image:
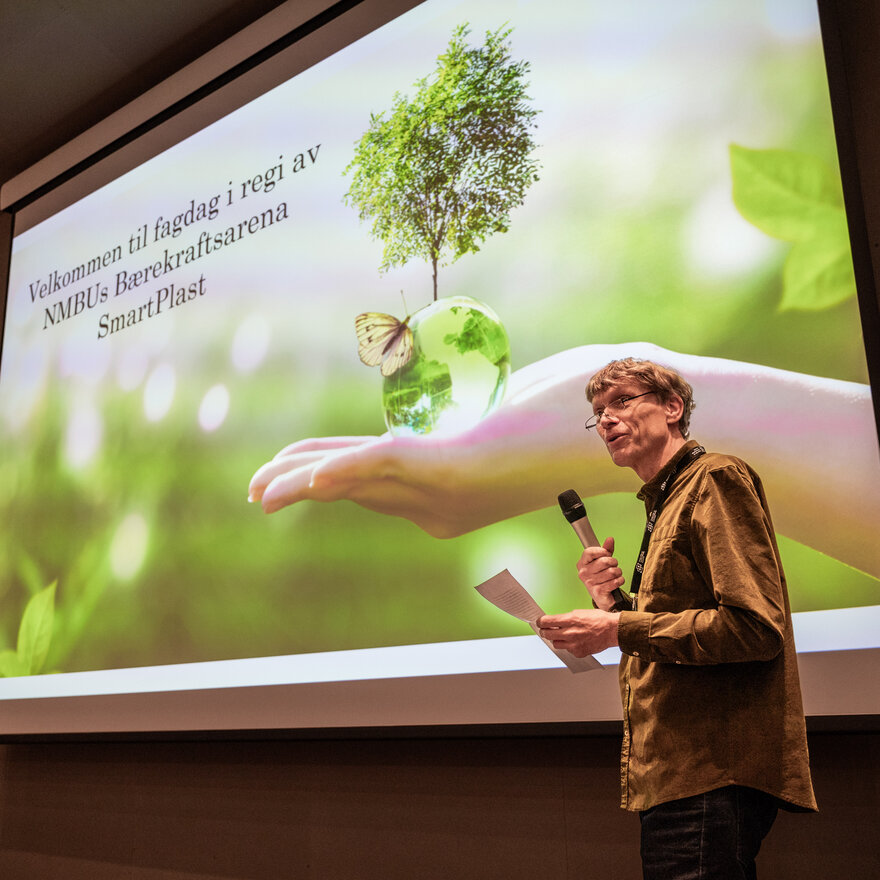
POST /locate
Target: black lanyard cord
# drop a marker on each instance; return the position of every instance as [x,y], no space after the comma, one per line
[665,488]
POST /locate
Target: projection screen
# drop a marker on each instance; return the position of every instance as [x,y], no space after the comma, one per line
[659,180]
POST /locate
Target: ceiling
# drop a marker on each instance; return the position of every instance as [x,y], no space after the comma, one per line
[67,64]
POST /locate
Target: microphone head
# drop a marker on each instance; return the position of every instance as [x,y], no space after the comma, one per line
[572,507]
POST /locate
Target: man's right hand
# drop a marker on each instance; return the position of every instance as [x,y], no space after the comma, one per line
[600,573]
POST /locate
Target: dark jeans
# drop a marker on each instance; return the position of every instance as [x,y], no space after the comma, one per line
[711,836]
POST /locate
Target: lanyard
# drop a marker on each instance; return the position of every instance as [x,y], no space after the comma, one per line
[665,488]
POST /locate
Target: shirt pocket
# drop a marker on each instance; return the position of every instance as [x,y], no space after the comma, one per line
[671,581]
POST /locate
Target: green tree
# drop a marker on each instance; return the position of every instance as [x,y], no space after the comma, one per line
[441,172]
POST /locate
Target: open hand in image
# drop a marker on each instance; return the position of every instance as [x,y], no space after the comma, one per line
[810,438]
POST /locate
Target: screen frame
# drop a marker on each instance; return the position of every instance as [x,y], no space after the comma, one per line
[834,699]
[475,701]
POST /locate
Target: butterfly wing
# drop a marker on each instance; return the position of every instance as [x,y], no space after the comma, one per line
[399,353]
[374,331]
[383,341]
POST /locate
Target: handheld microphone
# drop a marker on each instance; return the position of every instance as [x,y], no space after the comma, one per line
[574,511]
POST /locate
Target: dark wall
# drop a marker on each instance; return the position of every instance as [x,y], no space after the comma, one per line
[459,808]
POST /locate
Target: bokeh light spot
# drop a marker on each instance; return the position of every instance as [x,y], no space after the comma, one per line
[720,243]
[129,546]
[214,408]
[159,392]
[85,431]
[250,344]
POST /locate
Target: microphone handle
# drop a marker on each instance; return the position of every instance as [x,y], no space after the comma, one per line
[585,532]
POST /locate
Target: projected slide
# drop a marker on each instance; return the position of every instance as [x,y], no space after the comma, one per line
[299,383]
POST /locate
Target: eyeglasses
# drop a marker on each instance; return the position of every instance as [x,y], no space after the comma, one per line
[616,408]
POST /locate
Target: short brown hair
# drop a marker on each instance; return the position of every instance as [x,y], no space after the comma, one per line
[665,381]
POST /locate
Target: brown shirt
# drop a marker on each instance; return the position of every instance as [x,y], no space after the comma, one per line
[709,677]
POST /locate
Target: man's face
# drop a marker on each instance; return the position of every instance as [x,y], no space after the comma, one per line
[637,435]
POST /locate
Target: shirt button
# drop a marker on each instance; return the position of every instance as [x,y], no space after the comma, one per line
[635,653]
[678,662]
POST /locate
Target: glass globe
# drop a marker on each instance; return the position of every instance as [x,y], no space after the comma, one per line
[457,374]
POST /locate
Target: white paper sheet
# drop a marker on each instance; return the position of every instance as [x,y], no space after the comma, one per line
[504,591]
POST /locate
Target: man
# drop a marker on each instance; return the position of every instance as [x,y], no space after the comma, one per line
[714,737]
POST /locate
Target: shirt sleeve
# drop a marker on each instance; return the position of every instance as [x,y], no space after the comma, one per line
[734,553]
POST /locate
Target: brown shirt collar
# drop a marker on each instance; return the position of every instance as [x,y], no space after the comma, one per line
[650,490]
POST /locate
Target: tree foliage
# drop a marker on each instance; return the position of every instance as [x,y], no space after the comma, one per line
[442,170]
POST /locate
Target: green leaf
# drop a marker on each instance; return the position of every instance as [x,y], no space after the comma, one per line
[787,195]
[818,272]
[35,632]
[10,665]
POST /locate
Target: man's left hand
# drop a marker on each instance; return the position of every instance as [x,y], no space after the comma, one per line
[580,632]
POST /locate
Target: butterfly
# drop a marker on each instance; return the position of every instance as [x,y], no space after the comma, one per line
[383,341]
